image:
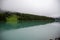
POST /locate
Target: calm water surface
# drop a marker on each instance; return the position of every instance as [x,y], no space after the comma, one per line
[37,32]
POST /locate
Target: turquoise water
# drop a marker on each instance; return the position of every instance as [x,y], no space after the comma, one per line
[23,24]
[30,30]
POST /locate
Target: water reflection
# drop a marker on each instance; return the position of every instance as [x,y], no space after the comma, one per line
[38,32]
[30,30]
[23,24]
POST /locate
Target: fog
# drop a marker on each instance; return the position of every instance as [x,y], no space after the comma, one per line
[0,4]
[38,7]
[49,8]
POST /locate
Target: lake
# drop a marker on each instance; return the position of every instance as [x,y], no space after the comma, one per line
[41,31]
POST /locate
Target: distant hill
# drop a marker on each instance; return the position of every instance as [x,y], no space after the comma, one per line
[4,16]
[57,19]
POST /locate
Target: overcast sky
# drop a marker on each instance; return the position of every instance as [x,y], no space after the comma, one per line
[37,7]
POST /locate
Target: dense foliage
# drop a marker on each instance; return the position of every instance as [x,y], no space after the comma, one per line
[16,17]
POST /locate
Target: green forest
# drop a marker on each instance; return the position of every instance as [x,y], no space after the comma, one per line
[14,17]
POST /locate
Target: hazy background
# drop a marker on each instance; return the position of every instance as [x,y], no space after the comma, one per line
[38,7]
[49,8]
